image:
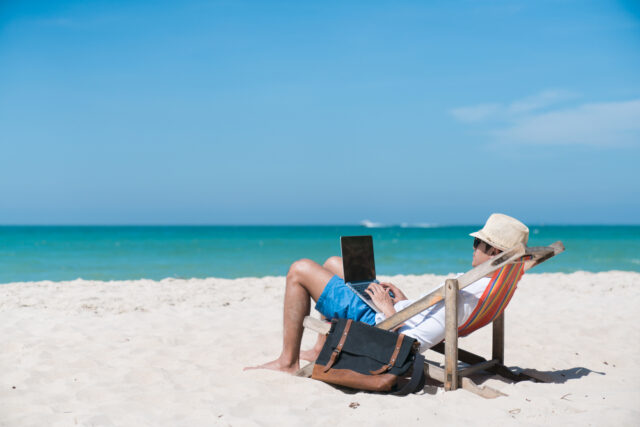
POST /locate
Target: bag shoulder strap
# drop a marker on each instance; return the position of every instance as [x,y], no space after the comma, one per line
[338,349]
[394,356]
[417,377]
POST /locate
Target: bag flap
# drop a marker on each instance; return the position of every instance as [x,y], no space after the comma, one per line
[369,341]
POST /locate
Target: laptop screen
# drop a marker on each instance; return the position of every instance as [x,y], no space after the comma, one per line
[357,259]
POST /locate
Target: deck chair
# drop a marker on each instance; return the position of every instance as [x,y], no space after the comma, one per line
[506,270]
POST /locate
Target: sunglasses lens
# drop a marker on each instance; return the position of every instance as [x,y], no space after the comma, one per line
[487,247]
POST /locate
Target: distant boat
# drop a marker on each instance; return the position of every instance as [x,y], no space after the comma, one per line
[418,225]
[371,224]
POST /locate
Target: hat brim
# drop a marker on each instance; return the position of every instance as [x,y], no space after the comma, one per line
[480,235]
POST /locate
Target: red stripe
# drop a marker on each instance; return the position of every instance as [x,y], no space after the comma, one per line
[481,302]
[494,299]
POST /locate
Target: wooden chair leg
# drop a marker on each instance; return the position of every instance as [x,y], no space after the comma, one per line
[498,339]
[451,335]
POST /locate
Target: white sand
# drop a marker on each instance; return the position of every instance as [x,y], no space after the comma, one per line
[171,353]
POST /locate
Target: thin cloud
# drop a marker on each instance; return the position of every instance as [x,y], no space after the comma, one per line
[598,124]
[539,120]
[484,112]
[540,101]
[476,113]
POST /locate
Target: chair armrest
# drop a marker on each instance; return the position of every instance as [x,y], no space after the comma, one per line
[540,254]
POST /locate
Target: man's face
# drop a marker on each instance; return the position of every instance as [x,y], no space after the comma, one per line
[481,253]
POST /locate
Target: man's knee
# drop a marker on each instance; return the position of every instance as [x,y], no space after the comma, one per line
[300,267]
[332,263]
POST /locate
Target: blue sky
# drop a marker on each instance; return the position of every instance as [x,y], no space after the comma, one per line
[272,112]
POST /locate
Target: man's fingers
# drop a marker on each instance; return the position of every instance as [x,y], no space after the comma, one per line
[373,286]
[371,291]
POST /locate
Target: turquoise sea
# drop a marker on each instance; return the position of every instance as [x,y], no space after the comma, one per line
[30,253]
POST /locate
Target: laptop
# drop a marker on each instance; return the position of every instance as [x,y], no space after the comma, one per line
[359,265]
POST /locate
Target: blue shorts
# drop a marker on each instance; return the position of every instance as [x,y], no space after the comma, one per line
[339,302]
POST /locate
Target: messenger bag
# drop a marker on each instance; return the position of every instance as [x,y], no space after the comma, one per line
[363,357]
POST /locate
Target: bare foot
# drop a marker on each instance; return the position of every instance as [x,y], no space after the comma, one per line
[277,365]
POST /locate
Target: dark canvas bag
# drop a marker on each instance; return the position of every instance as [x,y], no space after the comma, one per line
[364,357]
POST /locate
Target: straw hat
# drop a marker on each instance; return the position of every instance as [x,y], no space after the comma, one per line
[503,232]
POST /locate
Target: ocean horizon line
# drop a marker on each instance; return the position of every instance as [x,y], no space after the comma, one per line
[368,225]
[57,252]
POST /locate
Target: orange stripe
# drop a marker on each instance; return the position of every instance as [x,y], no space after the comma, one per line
[477,312]
[494,304]
[497,301]
[494,299]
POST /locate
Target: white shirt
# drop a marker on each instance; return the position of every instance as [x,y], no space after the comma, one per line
[428,326]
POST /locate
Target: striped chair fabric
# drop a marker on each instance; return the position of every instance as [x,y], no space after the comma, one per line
[495,297]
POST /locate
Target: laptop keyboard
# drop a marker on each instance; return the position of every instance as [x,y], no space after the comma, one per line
[360,287]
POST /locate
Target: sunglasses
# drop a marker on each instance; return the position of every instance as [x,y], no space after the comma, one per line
[476,243]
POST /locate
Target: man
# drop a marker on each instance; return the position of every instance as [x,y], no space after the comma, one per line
[324,284]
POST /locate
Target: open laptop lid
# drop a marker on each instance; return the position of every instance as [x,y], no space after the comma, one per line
[357,259]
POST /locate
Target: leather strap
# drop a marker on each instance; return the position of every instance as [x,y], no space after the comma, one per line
[338,349]
[417,377]
[394,357]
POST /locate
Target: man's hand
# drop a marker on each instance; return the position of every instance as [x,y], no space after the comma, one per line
[381,298]
[398,295]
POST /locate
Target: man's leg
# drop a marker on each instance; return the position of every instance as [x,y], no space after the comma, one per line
[305,279]
[334,265]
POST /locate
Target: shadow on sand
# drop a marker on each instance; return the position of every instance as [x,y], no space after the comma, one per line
[561,376]
[550,377]
[432,386]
